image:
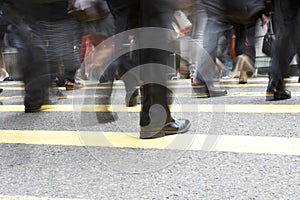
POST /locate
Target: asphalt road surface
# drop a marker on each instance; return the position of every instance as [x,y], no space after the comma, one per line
[238,147]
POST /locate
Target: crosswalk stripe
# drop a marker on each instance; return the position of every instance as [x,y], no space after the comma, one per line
[255,79]
[171,86]
[18,197]
[193,142]
[184,108]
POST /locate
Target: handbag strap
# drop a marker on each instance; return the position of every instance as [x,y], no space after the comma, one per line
[270,24]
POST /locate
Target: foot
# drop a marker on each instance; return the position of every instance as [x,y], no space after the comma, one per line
[216,92]
[277,91]
[243,77]
[33,109]
[274,94]
[73,86]
[202,91]
[131,99]
[176,126]
[1,90]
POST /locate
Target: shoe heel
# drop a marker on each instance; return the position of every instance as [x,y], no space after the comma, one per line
[243,77]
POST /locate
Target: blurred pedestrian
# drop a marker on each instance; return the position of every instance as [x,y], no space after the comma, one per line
[203,85]
[244,51]
[119,11]
[155,116]
[222,16]
[61,34]
[31,51]
[4,75]
[287,33]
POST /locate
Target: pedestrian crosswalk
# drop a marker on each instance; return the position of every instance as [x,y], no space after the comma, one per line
[12,103]
[185,108]
[240,129]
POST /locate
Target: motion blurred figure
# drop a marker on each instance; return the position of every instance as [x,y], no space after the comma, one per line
[119,11]
[31,51]
[287,44]
[155,116]
[221,17]
[4,75]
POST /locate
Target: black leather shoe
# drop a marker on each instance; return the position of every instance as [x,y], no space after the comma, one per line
[276,90]
[274,94]
[1,90]
[176,126]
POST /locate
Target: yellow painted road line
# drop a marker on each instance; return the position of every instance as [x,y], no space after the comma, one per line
[18,197]
[172,86]
[12,83]
[89,82]
[184,108]
[258,79]
[193,142]
[10,97]
[172,82]
[13,88]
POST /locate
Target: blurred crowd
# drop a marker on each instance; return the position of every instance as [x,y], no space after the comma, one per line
[65,42]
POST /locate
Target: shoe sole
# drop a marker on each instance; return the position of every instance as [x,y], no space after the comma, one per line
[162,133]
[212,94]
[33,111]
[243,82]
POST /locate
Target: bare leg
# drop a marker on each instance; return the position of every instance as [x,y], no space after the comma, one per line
[3,72]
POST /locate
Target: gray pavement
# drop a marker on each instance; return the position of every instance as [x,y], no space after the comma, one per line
[82,172]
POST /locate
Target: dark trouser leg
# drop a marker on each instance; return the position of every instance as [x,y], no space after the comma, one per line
[130,77]
[36,79]
[206,67]
[154,91]
[70,68]
[284,48]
